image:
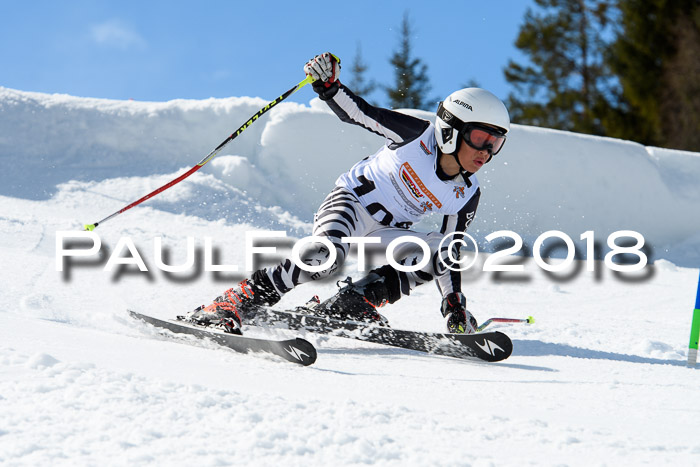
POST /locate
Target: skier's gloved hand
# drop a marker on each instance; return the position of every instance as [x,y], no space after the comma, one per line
[325,70]
[323,67]
[459,319]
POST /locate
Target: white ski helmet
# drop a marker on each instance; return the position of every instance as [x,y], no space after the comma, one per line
[468,105]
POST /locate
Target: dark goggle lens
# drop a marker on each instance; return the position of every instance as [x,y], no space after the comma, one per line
[480,139]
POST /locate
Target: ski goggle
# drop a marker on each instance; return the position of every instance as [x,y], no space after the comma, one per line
[482,137]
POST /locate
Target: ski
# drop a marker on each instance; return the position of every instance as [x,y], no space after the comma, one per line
[293,350]
[486,346]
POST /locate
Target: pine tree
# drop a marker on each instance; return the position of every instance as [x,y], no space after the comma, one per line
[656,57]
[358,83]
[566,85]
[680,100]
[411,85]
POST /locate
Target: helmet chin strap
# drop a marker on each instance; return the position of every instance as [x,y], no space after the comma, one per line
[465,173]
[462,171]
[455,154]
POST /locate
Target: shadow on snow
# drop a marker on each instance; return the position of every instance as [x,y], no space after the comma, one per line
[535,348]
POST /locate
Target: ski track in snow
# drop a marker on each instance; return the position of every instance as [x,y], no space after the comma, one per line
[599,379]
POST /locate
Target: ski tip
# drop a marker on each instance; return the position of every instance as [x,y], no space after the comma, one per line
[90,227]
[301,351]
[491,346]
[530,320]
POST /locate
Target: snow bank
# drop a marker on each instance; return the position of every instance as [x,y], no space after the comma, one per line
[289,159]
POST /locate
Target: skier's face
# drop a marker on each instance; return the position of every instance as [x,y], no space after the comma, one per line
[472,159]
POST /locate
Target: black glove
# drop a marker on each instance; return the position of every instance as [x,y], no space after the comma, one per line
[459,319]
[325,70]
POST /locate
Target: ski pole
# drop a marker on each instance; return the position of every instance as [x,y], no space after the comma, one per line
[528,320]
[209,156]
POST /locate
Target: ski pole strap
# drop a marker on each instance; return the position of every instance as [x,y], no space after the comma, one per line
[208,157]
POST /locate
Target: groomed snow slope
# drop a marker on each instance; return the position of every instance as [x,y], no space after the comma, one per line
[599,379]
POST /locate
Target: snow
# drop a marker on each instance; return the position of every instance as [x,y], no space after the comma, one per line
[599,379]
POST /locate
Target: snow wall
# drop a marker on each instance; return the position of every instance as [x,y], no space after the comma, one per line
[276,173]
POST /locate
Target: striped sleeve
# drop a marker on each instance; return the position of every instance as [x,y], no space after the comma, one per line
[395,126]
[451,281]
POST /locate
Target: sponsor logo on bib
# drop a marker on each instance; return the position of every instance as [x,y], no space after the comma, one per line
[415,185]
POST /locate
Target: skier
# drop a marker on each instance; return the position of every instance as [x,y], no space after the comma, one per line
[423,168]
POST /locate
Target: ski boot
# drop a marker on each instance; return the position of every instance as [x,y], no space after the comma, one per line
[221,314]
[357,301]
[224,311]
